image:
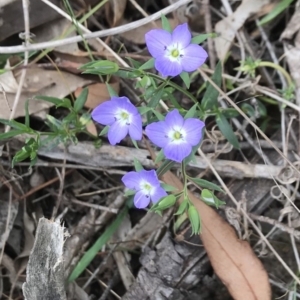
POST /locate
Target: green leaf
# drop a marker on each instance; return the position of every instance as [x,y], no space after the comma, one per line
[191,112]
[160,156]
[198,39]
[136,64]
[144,109]
[80,101]
[156,96]
[55,122]
[248,109]
[27,122]
[10,134]
[53,100]
[158,115]
[165,23]
[168,187]
[111,91]
[182,207]
[280,7]
[164,167]
[209,198]
[148,64]
[104,130]
[194,219]
[135,144]
[230,113]
[164,203]
[206,184]
[186,79]
[137,165]
[227,131]
[129,193]
[210,98]
[65,103]
[101,241]
[100,67]
[15,124]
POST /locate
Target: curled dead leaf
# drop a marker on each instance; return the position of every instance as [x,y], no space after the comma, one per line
[232,259]
[114,11]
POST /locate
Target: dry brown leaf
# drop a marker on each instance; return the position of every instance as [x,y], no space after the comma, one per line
[98,92]
[114,11]
[91,128]
[38,82]
[228,26]
[137,35]
[232,259]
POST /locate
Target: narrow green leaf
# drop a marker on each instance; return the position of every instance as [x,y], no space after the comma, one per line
[166,202]
[230,113]
[194,219]
[165,23]
[191,112]
[156,97]
[15,124]
[210,98]
[100,67]
[55,101]
[135,144]
[80,101]
[93,251]
[27,124]
[158,115]
[137,165]
[148,64]
[198,39]
[10,134]
[111,91]
[168,187]
[164,167]
[248,109]
[186,79]
[206,184]
[160,156]
[129,193]
[227,131]
[182,207]
[280,7]
[104,131]
[144,109]
[136,64]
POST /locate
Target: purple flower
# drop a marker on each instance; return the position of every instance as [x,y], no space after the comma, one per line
[173,52]
[146,185]
[176,135]
[122,117]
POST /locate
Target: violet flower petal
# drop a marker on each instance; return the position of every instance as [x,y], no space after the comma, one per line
[141,200]
[167,67]
[150,177]
[193,128]
[132,180]
[182,35]
[158,194]
[116,133]
[156,133]
[135,128]
[194,56]
[105,112]
[124,103]
[177,152]
[157,40]
[174,118]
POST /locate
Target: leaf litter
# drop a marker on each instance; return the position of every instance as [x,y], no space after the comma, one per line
[233,260]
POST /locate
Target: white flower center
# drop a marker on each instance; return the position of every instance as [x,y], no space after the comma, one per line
[174,52]
[146,188]
[176,135]
[124,117]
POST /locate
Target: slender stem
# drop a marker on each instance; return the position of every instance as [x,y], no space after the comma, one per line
[277,67]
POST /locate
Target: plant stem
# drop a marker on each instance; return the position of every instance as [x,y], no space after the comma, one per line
[277,67]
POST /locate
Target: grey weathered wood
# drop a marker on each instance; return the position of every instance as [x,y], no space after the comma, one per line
[45,271]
